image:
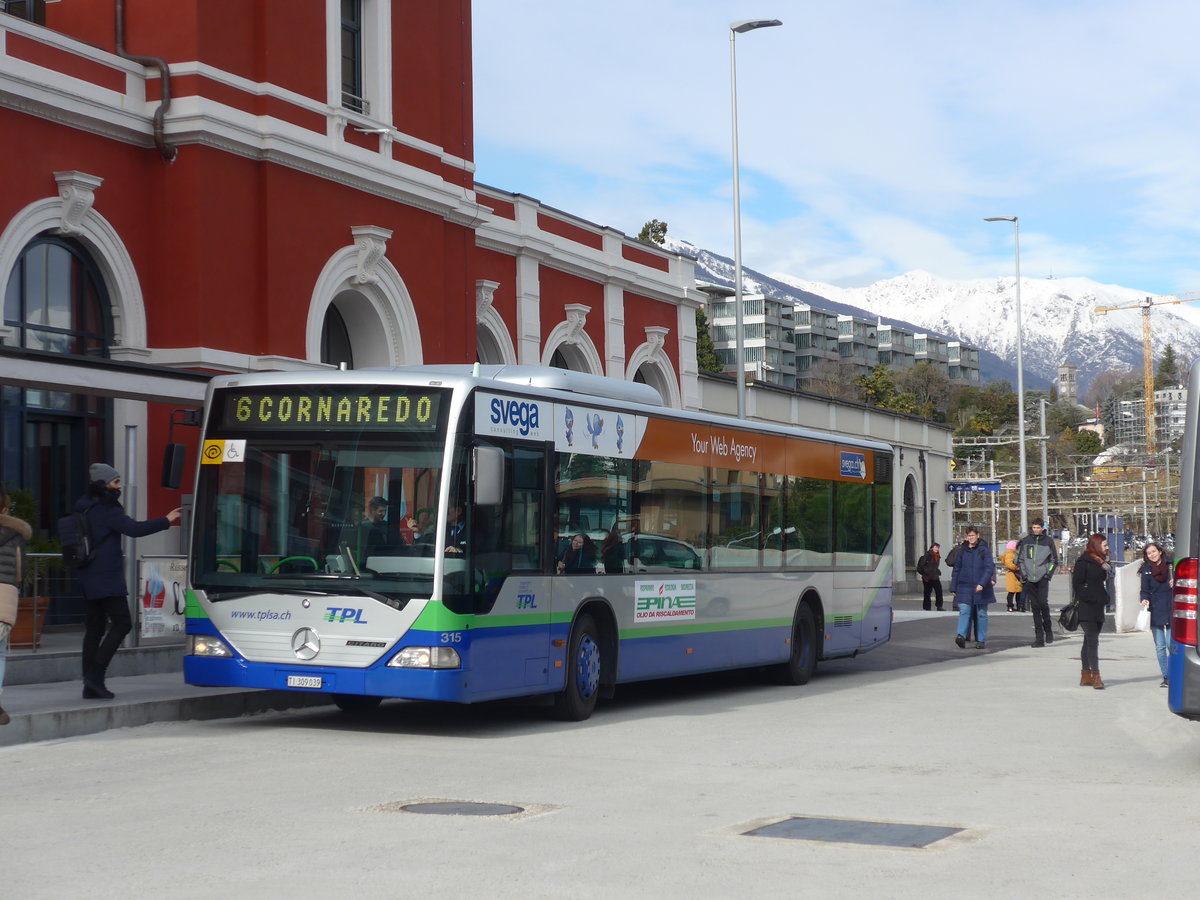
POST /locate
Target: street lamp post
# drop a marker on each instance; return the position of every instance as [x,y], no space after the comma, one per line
[735,29]
[1020,367]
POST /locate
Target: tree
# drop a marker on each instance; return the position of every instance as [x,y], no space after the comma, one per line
[834,379]
[1109,382]
[653,232]
[877,386]
[706,353]
[1168,369]
[879,389]
[1088,442]
[931,389]
[986,410]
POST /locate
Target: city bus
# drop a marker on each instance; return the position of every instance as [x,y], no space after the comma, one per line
[471,533]
[1183,660]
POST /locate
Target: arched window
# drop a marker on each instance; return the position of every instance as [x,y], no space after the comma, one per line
[336,347]
[55,301]
[910,522]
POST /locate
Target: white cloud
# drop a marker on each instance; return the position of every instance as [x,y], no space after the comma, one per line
[874,136]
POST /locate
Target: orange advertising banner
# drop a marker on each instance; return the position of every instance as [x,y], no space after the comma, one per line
[721,447]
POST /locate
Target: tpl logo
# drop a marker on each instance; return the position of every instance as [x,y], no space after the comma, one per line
[344,614]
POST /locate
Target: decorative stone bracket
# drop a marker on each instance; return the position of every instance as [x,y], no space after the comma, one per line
[78,193]
[371,243]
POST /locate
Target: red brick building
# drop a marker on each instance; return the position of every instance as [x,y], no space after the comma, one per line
[208,186]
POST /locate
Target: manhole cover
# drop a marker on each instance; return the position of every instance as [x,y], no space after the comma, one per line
[852,831]
[452,808]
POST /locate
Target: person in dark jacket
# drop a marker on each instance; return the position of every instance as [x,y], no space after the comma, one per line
[1037,558]
[931,574]
[14,533]
[972,582]
[1089,584]
[105,593]
[578,556]
[1158,596]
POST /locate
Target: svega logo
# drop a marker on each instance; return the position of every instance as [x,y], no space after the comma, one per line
[521,415]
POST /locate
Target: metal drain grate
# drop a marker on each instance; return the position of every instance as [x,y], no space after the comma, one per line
[853,831]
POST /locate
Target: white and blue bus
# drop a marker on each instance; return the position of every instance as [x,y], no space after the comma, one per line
[470,533]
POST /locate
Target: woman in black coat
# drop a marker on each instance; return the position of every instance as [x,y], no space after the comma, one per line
[1089,584]
[102,581]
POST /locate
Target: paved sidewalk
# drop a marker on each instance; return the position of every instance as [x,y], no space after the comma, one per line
[148,682]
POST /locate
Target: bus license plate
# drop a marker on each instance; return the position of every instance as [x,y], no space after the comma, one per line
[304,681]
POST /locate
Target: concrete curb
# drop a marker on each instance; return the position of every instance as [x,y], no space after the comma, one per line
[45,712]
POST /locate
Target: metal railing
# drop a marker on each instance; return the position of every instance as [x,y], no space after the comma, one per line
[48,580]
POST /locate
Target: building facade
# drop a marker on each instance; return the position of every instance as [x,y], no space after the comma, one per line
[194,188]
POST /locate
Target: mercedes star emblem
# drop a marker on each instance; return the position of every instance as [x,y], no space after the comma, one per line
[306,643]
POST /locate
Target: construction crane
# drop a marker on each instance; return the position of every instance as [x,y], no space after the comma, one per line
[1148,353]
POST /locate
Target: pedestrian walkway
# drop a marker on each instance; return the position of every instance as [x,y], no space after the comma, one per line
[44,695]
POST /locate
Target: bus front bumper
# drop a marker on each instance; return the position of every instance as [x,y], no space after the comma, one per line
[378,681]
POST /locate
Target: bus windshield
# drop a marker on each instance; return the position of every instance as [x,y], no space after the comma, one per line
[319,515]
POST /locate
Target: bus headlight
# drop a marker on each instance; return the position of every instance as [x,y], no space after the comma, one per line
[426,658]
[207,645]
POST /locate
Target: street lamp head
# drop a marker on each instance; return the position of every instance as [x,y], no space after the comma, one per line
[1000,219]
[750,24]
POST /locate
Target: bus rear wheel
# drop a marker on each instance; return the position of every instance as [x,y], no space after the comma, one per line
[578,697]
[803,662]
[356,703]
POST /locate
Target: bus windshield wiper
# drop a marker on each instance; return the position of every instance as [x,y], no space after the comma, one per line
[393,602]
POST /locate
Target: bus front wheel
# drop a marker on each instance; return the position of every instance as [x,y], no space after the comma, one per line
[803,662]
[578,697]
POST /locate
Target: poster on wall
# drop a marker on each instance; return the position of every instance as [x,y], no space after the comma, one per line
[161,581]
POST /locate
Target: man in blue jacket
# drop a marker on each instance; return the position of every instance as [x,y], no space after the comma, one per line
[972,582]
[1037,558]
[105,592]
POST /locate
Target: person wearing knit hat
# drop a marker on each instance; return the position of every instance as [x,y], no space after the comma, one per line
[102,581]
[103,472]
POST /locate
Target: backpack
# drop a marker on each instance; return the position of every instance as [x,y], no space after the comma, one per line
[75,536]
[952,556]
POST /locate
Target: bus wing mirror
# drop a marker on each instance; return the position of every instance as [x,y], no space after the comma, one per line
[172,470]
[489,476]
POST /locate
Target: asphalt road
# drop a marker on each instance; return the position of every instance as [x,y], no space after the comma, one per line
[1039,786]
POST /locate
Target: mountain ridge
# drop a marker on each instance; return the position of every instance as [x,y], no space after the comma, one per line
[1059,317]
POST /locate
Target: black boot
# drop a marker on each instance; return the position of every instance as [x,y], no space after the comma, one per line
[94,687]
[5,718]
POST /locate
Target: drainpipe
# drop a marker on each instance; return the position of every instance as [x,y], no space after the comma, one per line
[925,499]
[164,77]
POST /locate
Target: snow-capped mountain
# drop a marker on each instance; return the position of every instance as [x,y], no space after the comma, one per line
[1059,317]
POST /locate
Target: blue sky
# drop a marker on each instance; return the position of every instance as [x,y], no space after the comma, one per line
[874,135]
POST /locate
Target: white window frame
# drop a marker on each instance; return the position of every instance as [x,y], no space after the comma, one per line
[376,59]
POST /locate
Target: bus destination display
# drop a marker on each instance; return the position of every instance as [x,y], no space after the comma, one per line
[376,409]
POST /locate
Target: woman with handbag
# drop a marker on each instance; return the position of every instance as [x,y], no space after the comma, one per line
[14,533]
[1089,581]
[1158,599]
